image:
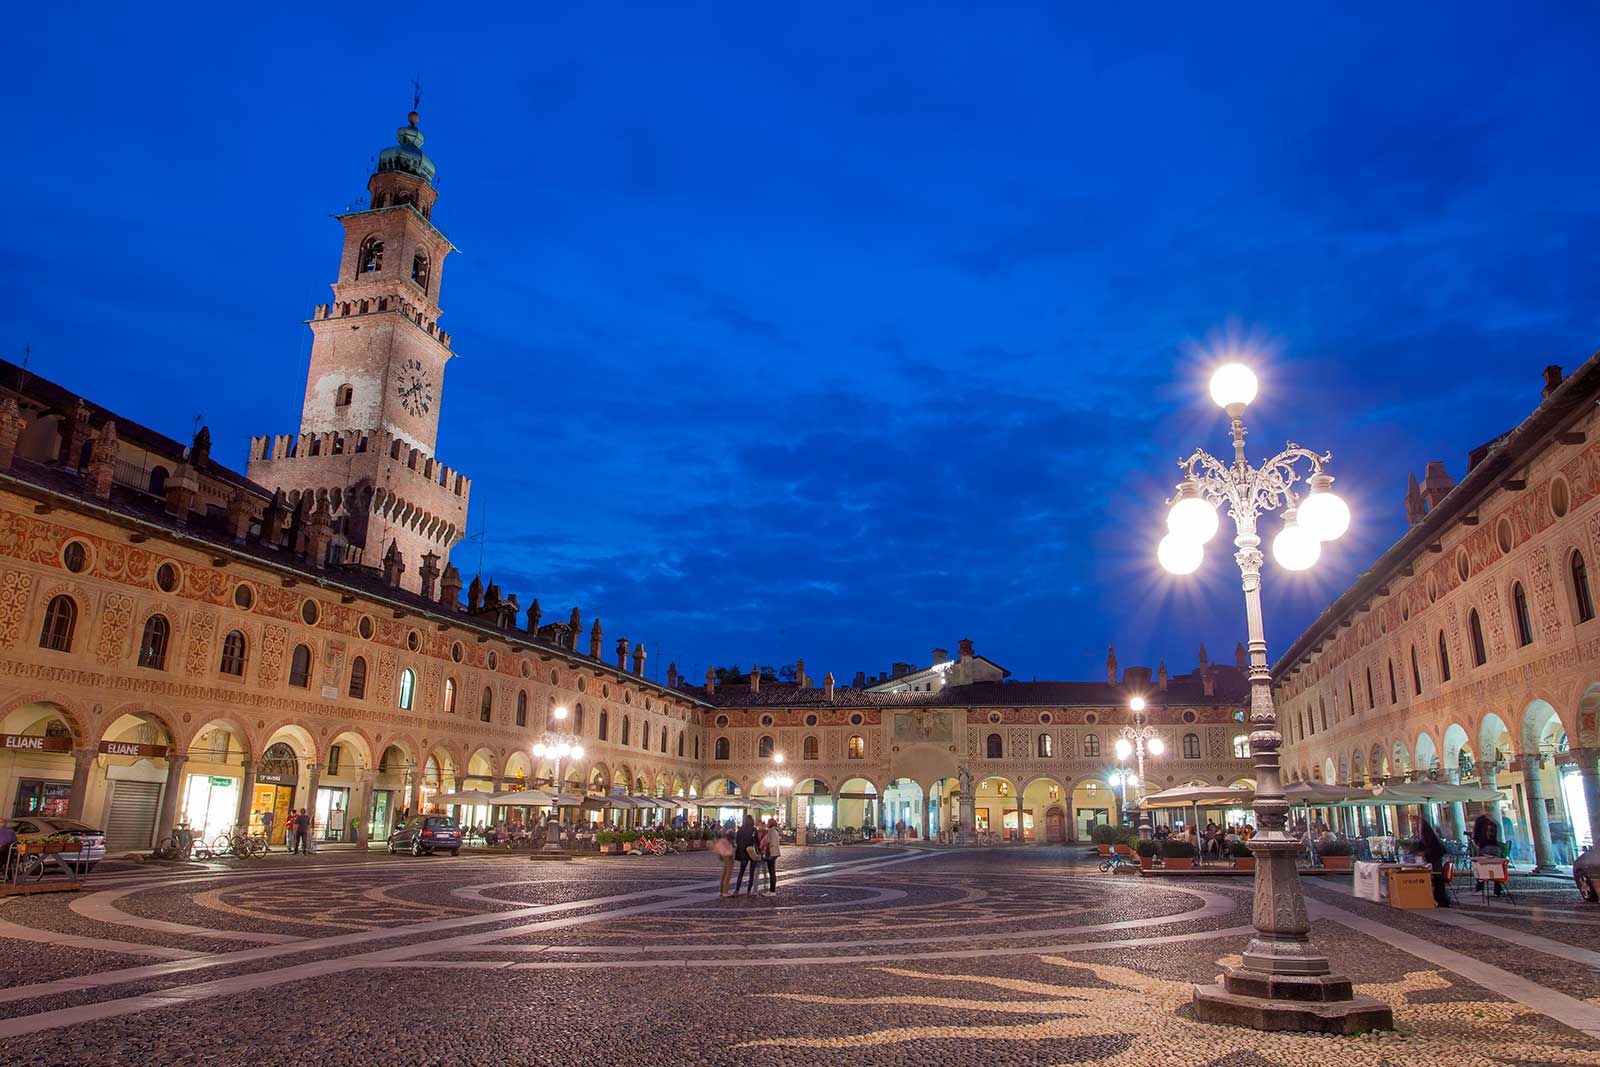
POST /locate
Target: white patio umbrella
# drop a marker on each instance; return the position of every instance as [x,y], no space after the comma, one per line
[465,796]
[527,798]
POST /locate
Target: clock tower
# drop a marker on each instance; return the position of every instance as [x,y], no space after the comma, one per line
[369,425]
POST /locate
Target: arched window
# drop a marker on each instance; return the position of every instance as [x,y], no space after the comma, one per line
[371,261]
[697,747]
[722,748]
[153,645]
[60,619]
[663,739]
[680,745]
[1480,654]
[1350,695]
[992,748]
[522,711]
[233,654]
[1416,673]
[408,688]
[1322,705]
[486,705]
[577,719]
[419,270]
[450,696]
[158,480]
[627,728]
[1191,746]
[345,394]
[1046,746]
[1394,693]
[1444,659]
[1372,700]
[358,678]
[1241,746]
[605,721]
[764,747]
[1583,598]
[1519,611]
[300,667]
[1091,743]
[808,748]
[858,747]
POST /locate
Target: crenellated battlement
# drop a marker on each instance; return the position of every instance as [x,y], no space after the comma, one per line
[384,305]
[288,447]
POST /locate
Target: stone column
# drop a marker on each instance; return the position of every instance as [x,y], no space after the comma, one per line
[362,810]
[414,793]
[313,782]
[82,763]
[1458,810]
[247,789]
[1538,819]
[1589,775]
[171,796]
[922,820]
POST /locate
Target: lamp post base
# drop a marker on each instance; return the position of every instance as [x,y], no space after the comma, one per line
[1322,1003]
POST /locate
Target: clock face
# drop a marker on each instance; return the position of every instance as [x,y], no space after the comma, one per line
[414,387]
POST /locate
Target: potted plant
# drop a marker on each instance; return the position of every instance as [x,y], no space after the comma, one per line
[628,837]
[1147,854]
[1335,855]
[1103,835]
[1243,858]
[1177,854]
[607,840]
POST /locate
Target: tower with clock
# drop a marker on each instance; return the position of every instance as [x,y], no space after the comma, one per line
[369,424]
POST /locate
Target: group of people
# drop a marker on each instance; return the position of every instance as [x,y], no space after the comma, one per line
[1214,840]
[296,830]
[754,846]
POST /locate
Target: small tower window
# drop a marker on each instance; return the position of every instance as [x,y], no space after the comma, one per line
[300,667]
[992,749]
[371,255]
[419,270]
[343,397]
[153,645]
[809,748]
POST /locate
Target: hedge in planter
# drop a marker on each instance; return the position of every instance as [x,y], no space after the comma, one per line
[1103,834]
[1177,855]
[1243,858]
[1335,855]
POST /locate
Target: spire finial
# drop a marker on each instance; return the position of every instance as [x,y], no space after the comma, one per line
[416,100]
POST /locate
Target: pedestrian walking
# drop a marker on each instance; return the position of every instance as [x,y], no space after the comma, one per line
[723,847]
[1433,852]
[266,828]
[747,845]
[1486,839]
[304,826]
[297,844]
[771,846]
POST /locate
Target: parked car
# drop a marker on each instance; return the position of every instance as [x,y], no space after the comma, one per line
[1586,872]
[85,845]
[422,834]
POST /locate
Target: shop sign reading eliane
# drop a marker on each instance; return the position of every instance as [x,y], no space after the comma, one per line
[32,743]
[130,748]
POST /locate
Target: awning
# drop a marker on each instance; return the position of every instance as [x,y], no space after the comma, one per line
[1205,796]
[1433,793]
[1317,795]
[465,796]
[527,798]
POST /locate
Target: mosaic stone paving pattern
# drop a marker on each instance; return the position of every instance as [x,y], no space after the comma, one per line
[866,955]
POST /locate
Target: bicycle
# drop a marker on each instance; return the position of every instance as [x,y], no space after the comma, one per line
[238,843]
[650,846]
[175,846]
[1115,861]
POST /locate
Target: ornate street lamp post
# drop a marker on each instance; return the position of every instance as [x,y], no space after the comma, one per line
[1285,983]
[777,783]
[1135,739]
[558,746]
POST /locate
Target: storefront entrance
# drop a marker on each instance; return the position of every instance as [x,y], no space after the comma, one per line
[380,813]
[1055,826]
[1086,819]
[210,804]
[42,797]
[333,805]
[276,799]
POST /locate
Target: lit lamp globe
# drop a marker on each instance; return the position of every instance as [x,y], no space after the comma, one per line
[1157,746]
[1295,548]
[1191,518]
[577,752]
[1136,704]
[539,750]
[1324,512]
[1233,385]
[1124,750]
[1179,555]
[558,713]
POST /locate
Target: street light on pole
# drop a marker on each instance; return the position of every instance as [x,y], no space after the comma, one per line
[1136,739]
[558,746]
[1284,983]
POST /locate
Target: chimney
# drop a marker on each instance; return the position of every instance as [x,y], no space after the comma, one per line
[1161,675]
[755,676]
[1208,682]
[509,613]
[639,655]
[1415,508]
[74,432]
[319,535]
[475,595]
[182,488]
[622,650]
[901,669]
[1552,380]
[1241,658]
[491,597]
[800,674]
[450,587]
[711,681]
[238,516]
[1137,679]
[393,566]
[941,655]
[575,627]
[964,647]
[1205,660]
[11,426]
[428,573]
[827,686]
[103,461]
[534,615]
[672,675]
[1436,484]
[1111,665]
[595,639]
[200,448]
[861,680]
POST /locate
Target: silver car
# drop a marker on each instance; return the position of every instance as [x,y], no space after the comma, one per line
[85,846]
[1586,872]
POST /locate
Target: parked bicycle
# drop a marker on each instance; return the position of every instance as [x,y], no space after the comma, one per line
[175,846]
[237,843]
[650,846]
[1114,861]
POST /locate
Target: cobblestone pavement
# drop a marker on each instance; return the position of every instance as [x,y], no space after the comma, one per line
[867,955]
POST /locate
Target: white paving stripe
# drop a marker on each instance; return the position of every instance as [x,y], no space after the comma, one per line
[132,974]
[1547,1002]
[99,944]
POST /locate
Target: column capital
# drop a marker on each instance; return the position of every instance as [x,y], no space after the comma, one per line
[85,755]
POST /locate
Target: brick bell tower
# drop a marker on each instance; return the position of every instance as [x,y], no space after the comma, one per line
[370,421]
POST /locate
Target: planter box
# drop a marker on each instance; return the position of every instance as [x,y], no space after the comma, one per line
[1336,863]
[1124,850]
[607,848]
[1173,863]
[1145,862]
[627,846]
[1244,863]
[1104,850]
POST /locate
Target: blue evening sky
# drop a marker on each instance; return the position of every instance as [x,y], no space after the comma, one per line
[839,332]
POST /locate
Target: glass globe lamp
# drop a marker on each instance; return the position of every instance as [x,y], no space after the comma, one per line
[1324,512]
[1124,749]
[1136,704]
[1179,555]
[1295,548]
[1233,385]
[1191,517]
[1156,746]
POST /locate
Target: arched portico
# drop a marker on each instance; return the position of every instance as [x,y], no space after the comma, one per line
[1044,810]
[1094,802]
